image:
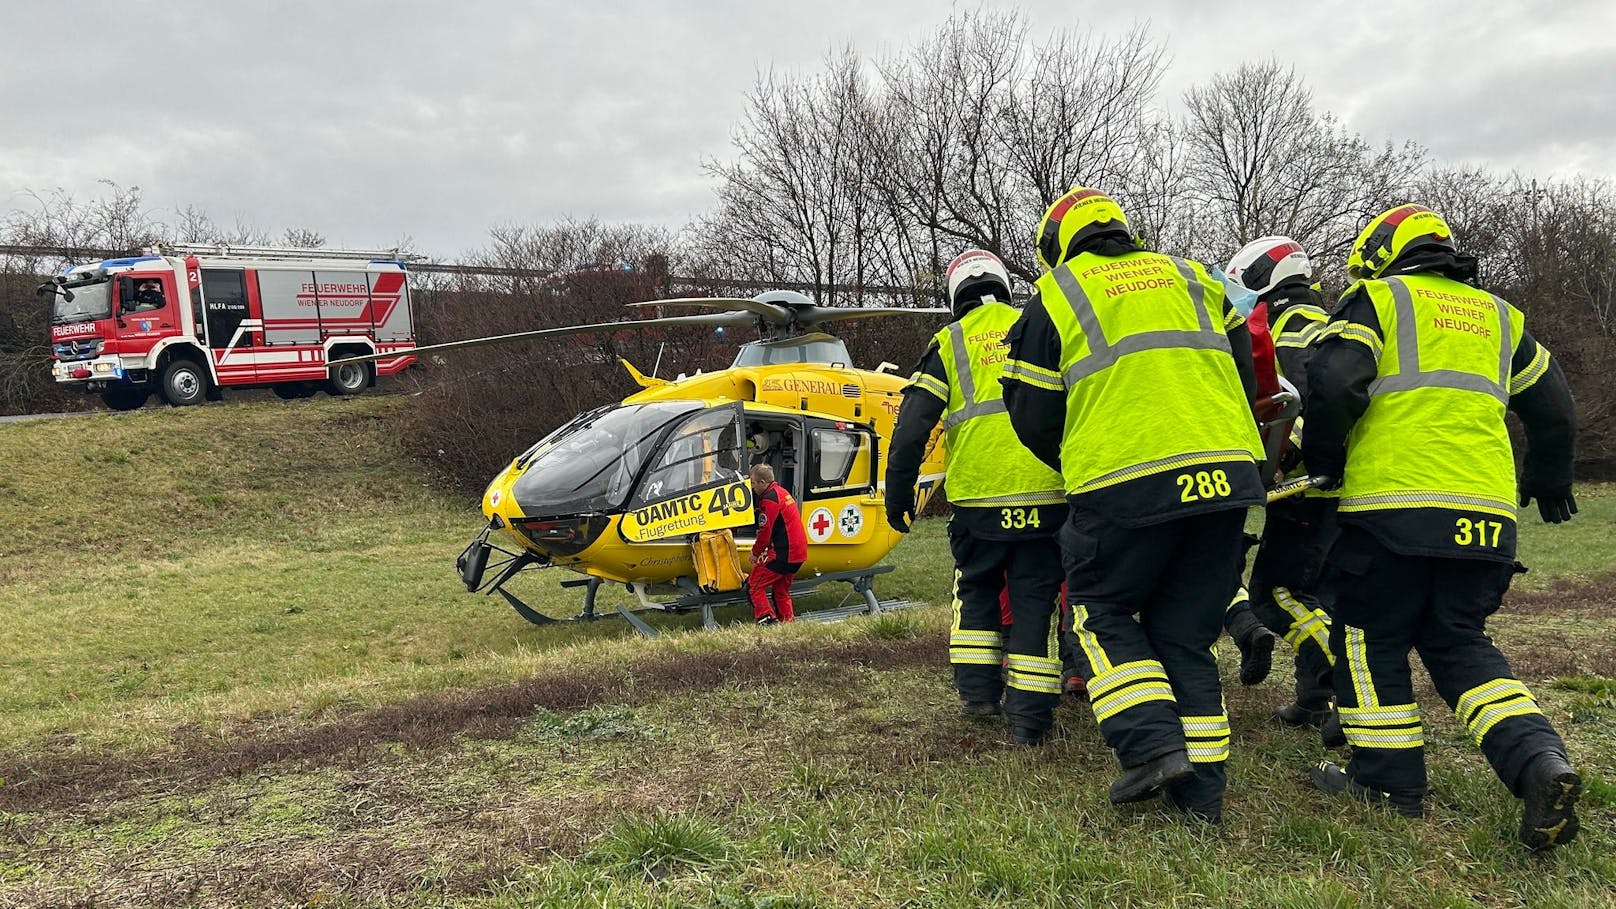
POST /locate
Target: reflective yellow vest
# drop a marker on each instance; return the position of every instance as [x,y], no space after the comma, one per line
[987,464]
[1297,326]
[1150,385]
[1434,434]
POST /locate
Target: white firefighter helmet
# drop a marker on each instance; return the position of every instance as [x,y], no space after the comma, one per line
[972,268]
[1267,262]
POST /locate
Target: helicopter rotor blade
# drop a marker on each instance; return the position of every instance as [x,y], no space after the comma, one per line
[715,319]
[769,312]
[820,314]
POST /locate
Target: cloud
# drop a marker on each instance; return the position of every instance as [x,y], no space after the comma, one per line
[369,120]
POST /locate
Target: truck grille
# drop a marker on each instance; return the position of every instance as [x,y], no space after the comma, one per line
[78,349]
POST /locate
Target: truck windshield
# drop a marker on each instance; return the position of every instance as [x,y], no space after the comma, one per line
[591,463]
[90,301]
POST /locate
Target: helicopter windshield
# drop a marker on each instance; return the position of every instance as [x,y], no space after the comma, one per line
[590,463]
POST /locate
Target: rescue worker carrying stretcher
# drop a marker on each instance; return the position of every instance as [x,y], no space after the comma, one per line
[1409,385]
[1298,531]
[781,548]
[1131,373]
[1007,506]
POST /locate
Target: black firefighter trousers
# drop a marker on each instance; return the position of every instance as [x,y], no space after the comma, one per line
[1285,579]
[1030,568]
[1386,603]
[1153,681]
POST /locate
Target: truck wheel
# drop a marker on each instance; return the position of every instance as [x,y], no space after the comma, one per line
[125,398]
[184,383]
[348,379]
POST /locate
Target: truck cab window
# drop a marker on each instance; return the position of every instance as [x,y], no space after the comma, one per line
[137,295]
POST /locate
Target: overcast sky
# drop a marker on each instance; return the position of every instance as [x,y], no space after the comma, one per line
[368,121]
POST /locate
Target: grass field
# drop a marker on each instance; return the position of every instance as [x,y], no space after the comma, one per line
[239,670]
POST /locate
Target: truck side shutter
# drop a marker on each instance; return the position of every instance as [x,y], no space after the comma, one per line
[390,306]
[291,315]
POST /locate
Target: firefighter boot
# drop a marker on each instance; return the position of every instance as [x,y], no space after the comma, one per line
[1329,777]
[979,709]
[1027,735]
[1331,735]
[1142,782]
[1256,645]
[1296,715]
[1550,790]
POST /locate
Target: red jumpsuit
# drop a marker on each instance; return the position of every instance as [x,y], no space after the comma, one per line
[781,548]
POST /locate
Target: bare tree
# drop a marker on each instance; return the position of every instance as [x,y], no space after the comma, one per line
[1262,161]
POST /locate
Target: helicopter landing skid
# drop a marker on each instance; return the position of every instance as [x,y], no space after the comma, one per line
[693,598]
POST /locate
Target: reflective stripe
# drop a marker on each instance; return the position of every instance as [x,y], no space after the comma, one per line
[1492,716]
[1052,497]
[929,383]
[962,363]
[1351,331]
[1241,595]
[1438,378]
[1429,498]
[1306,624]
[1206,738]
[1409,375]
[1381,716]
[972,411]
[1115,677]
[1363,685]
[967,657]
[1036,674]
[1486,693]
[1486,705]
[1391,726]
[1534,370]
[1033,375]
[1132,696]
[1190,459]
[1207,752]
[1098,661]
[1383,738]
[1103,354]
[962,637]
[1306,312]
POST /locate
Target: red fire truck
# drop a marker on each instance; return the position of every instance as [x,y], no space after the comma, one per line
[186,322]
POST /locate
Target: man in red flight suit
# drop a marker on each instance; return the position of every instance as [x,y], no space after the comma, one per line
[781,548]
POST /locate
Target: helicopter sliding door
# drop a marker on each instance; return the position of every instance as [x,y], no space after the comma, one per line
[696,480]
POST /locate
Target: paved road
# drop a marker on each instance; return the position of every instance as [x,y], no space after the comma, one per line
[48,416]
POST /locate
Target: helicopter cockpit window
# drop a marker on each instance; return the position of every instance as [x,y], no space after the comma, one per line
[591,463]
[705,450]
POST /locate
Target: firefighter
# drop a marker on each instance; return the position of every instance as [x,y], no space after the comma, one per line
[148,295]
[1409,384]
[1007,506]
[1131,374]
[781,548]
[1297,531]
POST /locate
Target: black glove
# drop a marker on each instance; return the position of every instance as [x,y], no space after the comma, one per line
[1330,464]
[900,510]
[1555,505]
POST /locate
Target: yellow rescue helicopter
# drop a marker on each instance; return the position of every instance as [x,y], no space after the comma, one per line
[623,493]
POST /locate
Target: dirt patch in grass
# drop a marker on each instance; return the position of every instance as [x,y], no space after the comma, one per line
[59,779]
[1597,599]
